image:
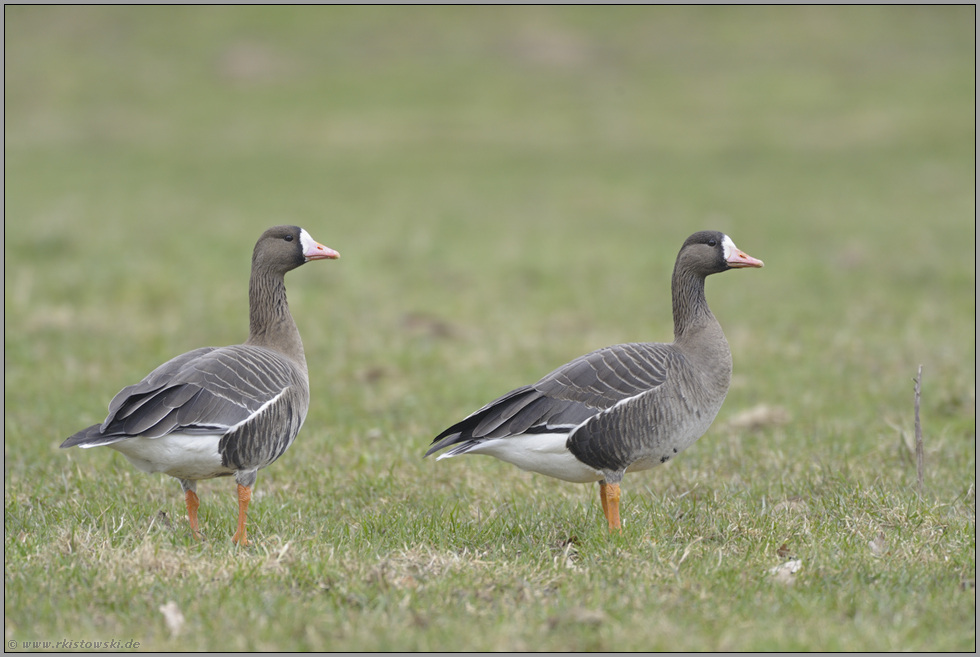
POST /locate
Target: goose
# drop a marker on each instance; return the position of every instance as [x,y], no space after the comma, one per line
[623,408]
[217,412]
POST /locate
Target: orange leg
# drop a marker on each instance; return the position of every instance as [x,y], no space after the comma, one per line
[609,493]
[192,503]
[244,497]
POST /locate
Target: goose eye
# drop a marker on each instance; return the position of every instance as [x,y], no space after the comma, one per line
[712,243]
[288,238]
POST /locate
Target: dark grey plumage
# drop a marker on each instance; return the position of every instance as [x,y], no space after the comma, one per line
[625,407]
[215,412]
[565,398]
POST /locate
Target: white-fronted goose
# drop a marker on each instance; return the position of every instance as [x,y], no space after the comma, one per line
[216,412]
[623,408]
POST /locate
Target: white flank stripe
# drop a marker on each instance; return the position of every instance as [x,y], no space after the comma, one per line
[258,411]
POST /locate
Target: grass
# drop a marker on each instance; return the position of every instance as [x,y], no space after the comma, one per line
[508,188]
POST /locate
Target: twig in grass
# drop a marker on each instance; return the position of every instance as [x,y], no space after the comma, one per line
[919,449]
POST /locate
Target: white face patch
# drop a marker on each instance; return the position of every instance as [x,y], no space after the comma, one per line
[729,247]
[306,241]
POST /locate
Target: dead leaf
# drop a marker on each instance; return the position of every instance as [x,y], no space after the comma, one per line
[173,617]
[879,546]
[786,573]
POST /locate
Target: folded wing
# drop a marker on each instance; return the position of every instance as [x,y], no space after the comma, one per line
[566,398]
[208,390]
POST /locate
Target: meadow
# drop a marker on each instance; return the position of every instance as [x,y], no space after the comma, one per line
[508,188]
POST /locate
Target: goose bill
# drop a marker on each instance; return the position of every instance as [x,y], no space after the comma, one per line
[313,250]
[740,259]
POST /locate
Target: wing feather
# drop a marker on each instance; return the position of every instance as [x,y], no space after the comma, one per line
[203,391]
[567,397]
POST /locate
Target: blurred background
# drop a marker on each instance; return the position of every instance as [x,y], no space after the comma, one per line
[508,187]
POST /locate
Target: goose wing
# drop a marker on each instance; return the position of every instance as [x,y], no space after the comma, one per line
[208,390]
[567,397]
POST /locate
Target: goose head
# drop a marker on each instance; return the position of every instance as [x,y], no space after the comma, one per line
[710,252]
[284,248]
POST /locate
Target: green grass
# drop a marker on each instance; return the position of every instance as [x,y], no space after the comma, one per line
[508,188]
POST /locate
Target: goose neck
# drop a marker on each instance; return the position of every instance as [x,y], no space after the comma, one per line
[691,312]
[271,324]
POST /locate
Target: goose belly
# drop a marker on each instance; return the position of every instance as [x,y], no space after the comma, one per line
[180,455]
[543,453]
